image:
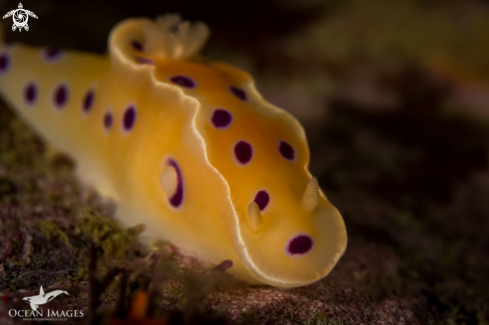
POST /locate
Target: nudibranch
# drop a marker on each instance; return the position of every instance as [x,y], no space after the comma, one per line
[186,146]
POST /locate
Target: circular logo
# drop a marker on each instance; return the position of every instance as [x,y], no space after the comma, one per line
[20,17]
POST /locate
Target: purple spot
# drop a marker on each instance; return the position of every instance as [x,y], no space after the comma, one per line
[299,245]
[88,101]
[137,45]
[262,198]
[143,60]
[4,63]
[183,81]
[30,93]
[243,152]
[61,96]
[286,150]
[177,198]
[129,118]
[108,120]
[51,54]
[238,92]
[221,118]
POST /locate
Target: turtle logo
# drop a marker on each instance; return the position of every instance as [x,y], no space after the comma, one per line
[20,17]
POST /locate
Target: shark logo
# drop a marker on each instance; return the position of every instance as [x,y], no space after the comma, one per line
[43,298]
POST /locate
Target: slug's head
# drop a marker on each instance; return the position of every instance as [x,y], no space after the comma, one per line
[292,241]
[289,234]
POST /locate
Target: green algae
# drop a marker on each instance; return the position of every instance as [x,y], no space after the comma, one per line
[109,234]
[51,230]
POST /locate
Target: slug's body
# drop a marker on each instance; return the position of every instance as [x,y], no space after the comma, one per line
[187,147]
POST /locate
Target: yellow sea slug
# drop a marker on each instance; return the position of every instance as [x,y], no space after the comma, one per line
[186,146]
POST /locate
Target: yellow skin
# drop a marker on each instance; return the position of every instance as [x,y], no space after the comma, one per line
[216,219]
